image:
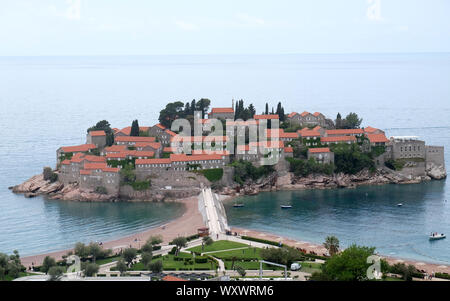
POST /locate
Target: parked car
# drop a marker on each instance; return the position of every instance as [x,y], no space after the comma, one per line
[296,266]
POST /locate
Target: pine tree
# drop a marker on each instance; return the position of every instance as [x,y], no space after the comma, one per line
[338,121]
[267,108]
[134,128]
[252,110]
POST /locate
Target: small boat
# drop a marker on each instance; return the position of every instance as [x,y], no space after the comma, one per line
[286,206]
[436,236]
[399,204]
[238,205]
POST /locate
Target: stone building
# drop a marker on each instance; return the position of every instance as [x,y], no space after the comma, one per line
[131,141]
[162,134]
[344,132]
[98,175]
[321,155]
[98,138]
[338,139]
[71,150]
[222,113]
[307,119]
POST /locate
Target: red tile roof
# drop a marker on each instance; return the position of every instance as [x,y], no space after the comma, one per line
[85,172]
[308,133]
[319,150]
[78,148]
[111,169]
[172,278]
[127,130]
[121,155]
[142,153]
[161,126]
[185,158]
[116,148]
[270,116]
[305,113]
[134,139]
[281,134]
[292,114]
[211,152]
[97,133]
[268,144]
[154,145]
[317,114]
[288,149]
[222,110]
[66,162]
[345,132]
[338,139]
[370,129]
[168,150]
[377,138]
[89,166]
[170,133]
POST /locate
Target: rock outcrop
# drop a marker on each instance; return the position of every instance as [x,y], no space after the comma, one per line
[36,186]
[436,172]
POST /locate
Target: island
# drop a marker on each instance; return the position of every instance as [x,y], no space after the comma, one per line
[150,163]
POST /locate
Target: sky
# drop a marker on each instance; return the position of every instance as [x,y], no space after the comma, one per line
[148,27]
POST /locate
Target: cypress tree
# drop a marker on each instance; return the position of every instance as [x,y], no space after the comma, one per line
[134,128]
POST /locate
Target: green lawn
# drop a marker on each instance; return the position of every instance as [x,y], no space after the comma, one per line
[107,260]
[251,252]
[21,274]
[170,264]
[310,267]
[250,265]
[219,245]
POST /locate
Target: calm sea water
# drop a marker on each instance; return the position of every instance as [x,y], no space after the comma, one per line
[46,102]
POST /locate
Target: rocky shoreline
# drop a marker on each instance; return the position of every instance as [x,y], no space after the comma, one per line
[37,186]
[289,181]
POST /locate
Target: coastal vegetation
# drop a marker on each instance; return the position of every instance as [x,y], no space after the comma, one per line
[301,167]
[350,159]
[245,170]
[213,175]
[10,266]
[49,174]
[351,121]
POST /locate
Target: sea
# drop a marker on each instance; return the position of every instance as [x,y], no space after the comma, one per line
[48,102]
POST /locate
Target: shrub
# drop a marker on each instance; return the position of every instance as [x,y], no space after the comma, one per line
[442,275]
[49,175]
[173,250]
[201,260]
[264,241]
[213,175]
[101,190]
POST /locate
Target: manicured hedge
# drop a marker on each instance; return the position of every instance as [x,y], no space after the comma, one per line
[201,260]
[442,275]
[264,241]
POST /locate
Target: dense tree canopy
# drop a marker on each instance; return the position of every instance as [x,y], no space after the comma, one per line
[350,265]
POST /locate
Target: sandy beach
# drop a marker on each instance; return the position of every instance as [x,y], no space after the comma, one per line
[191,220]
[185,225]
[320,250]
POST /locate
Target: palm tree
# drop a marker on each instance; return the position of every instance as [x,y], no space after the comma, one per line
[332,245]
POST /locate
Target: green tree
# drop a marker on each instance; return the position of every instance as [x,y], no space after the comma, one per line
[179,242]
[171,112]
[252,110]
[95,251]
[134,128]
[90,269]
[349,265]
[146,258]
[55,273]
[121,266]
[155,240]
[147,247]
[81,250]
[129,255]
[47,264]
[156,267]
[203,106]
[267,109]
[207,240]
[352,121]
[10,265]
[241,271]
[332,245]
[338,122]
[127,174]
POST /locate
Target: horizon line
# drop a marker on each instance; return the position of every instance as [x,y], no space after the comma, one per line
[227,54]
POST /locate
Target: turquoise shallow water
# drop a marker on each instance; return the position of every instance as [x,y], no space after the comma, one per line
[367,215]
[47,102]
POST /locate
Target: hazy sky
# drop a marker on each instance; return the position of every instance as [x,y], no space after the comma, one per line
[122,27]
